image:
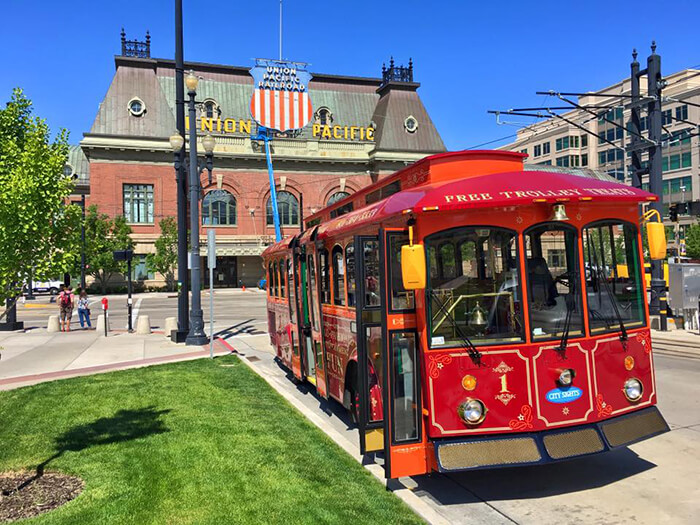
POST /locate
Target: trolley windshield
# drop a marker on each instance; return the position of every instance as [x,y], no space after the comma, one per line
[474,286]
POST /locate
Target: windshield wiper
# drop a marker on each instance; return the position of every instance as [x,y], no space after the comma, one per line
[613,301]
[473,352]
[570,306]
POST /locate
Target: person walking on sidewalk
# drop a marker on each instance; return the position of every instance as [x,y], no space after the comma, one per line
[66,300]
[84,310]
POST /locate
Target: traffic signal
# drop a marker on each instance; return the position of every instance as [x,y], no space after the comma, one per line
[673,212]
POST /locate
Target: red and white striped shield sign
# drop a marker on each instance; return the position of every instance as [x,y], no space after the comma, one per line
[280,97]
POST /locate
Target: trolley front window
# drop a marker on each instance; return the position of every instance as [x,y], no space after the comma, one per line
[554,287]
[614,285]
[474,287]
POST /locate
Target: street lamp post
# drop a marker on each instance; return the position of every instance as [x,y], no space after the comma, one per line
[196,335]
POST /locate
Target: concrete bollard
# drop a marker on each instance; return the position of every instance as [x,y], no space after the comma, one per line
[170,325]
[53,325]
[143,325]
[101,325]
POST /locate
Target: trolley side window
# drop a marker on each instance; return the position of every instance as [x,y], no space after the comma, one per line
[614,285]
[275,277]
[554,287]
[313,293]
[338,276]
[270,273]
[292,294]
[474,292]
[401,299]
[283,280]
[350,270]
[324,264]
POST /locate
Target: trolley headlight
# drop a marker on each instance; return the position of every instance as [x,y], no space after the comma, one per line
[472,411]
[633,389]
[566,377]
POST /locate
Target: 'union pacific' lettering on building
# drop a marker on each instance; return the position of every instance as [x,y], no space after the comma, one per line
[228,125]
[343,132]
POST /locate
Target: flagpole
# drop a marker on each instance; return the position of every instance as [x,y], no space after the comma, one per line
[280,30]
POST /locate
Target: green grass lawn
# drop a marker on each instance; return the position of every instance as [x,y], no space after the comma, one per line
[192,442]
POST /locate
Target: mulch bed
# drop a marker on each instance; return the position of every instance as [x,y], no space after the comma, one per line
[46,493]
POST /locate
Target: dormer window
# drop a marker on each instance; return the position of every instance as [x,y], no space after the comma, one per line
[324,117]
[210,109]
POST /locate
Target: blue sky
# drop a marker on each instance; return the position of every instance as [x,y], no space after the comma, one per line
[468,56]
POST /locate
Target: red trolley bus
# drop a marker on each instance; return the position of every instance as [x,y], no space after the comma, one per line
[522,337]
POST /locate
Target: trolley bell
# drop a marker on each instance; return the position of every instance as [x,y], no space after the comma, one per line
[477,317]
[559,213]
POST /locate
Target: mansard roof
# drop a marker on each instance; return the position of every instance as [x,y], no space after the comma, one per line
[353,101]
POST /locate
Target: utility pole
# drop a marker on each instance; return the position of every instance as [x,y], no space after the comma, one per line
[655,85]
[635,125]
[183,325]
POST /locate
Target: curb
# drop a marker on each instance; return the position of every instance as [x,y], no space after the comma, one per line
[404,493]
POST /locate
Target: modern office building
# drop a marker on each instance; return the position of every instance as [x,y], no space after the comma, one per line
[602,145]
[362,129]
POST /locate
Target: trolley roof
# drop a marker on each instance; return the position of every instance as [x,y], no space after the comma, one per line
[465,180]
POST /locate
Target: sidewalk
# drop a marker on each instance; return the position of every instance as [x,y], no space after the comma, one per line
[680,343]
[37,356]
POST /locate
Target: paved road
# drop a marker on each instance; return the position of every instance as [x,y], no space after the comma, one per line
[651,482]
[231,307]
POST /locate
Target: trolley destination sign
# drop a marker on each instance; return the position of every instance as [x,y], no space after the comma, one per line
[540,194]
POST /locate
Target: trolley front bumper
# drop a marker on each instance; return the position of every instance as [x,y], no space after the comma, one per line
[547,446]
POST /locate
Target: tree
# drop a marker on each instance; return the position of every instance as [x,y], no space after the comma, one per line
[692,241]
[103,236]
[164,260]
[37,224]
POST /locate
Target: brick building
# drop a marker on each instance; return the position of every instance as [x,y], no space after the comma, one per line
[362,129]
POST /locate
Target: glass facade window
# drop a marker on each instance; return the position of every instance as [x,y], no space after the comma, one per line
[584,141]
[666,117]
[545,148]
[288,208]
[675,162]
[686,160]
[553,284]
[218,208]
[473,287]
[138,203]
[682,112]
[139,269]
[538,150]
[614,285]
[584,160]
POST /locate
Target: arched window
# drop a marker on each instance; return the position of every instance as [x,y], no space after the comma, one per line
[288,207]
[210,109]
[324,116]
[337,196]
[219,208]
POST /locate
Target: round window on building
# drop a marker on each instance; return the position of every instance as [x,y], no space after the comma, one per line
[411,124]
[136,107]
[67,170]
